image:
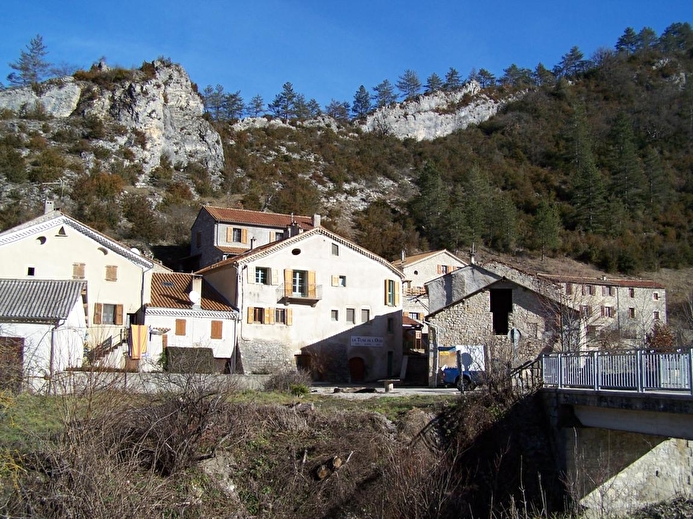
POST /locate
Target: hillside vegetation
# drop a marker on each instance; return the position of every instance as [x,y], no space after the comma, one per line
[591,160]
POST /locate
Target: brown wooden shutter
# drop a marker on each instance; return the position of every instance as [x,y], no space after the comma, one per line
[98,310]
[118,314]
[244,235]
[311,284]
[275,277]
[229,234]
[335,281]
[268,316]
[288,277]
[251,314]
[111,273]
[439,269]
[396,294]
[217,327]
[180,326]
[78,271]
[387,301]
[289,316]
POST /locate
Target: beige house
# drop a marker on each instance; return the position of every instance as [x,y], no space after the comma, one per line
[418,270]
[55,246]
[614,309]
[220,232]
[189,321]
[315,300]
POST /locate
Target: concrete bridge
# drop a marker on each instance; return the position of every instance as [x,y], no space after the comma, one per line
[622,425]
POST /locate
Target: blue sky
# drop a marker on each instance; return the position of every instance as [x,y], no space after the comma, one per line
[325,48]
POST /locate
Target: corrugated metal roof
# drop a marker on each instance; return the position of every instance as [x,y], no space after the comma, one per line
[171,289]
[245,216]
[39,299]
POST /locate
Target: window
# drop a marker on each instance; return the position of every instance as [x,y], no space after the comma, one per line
[335,249]
[588,290]
[334,315]
[391,292]
[533,329]
[390,325]
[414,315]
[111,273]
[30,271]
[180,326]
[280,315]
[342,281]
[78,271]
[216,332]
[278,236]
[198,239]
[607,311]
[258,315]
[351,315]
[569,288]
[608,291]
[299,283]
[631,292]
[591,332]
[236,234]
[365,315]
[655,296]
[631,313]
[655,315]
[105,313]
[262,276]
[585,311]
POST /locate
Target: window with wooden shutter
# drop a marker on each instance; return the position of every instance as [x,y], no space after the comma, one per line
[98,310]
[288,282]
[180,326]
[111,273]
[312,288]
[78,271]
[289,317]
[335,281]
[251,314]
[268,316]
[217,327]
[244,235]
[229,235]
[118,314]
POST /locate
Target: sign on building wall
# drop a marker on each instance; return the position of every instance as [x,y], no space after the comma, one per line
[358,340]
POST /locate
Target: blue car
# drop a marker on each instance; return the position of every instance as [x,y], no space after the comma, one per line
[451,377]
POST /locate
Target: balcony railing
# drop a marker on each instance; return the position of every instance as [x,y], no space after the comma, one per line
[636,370]
[310,295]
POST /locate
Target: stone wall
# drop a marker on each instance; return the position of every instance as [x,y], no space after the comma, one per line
[264,357]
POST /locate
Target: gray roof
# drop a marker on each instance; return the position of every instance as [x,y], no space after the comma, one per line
[38,299]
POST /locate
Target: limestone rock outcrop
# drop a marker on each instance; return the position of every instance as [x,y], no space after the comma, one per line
[434,115]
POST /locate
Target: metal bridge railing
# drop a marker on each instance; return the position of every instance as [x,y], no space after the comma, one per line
[633,370]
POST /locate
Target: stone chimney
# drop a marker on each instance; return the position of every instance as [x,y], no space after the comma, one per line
[48,206]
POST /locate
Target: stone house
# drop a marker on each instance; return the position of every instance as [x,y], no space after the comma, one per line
[190,321]
[55,246]
[418,270]
[42,330]
[314,300]
[219,233]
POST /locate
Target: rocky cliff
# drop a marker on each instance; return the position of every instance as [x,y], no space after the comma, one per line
[154,113]
[436,115]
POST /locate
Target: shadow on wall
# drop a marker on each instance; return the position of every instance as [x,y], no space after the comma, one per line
[366,352]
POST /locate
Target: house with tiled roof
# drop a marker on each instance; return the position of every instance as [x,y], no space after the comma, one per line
[55,246]
[221,232]
[418,269]
[42,331]
[314,300]
[187,321]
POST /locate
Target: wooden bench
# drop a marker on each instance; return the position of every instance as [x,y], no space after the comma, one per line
[389,383]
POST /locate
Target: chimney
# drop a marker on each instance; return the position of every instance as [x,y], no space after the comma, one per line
[404,255]
[316,220]
[48,206]
[472,253]
[196,293]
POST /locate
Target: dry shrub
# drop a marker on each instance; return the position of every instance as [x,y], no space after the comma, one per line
[290,381]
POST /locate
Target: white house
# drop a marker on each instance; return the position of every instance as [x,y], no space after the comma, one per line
[55,246]
[317,300]
[222,232]
[185,313]
[42,330]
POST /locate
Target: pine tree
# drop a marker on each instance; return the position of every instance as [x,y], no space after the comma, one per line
[546,228]
[433,83]
[362,102]
[384,94]
[409,84]
[452,80]
[627,177]
[31,66]
[284,104]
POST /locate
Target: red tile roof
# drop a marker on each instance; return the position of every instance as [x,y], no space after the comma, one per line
[621,282]
[245,216]
[171,289]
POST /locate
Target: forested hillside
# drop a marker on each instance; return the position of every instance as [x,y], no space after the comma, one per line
[591,159]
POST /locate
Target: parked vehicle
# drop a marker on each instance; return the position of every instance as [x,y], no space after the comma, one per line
[470,369]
